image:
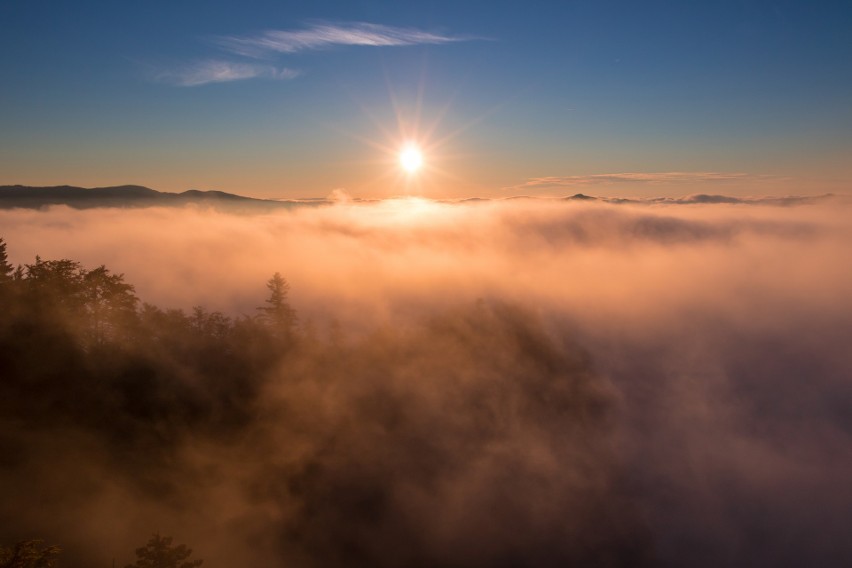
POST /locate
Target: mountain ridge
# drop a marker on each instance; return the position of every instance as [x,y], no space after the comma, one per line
[124,196]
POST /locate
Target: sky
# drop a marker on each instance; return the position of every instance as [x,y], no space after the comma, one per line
[292,99]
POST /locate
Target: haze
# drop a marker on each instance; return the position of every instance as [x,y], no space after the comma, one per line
[545,381]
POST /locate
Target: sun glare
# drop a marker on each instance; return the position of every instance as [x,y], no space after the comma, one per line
[410,158]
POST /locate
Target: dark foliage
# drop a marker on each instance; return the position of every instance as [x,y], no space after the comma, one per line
[159,553]
[472,439]
[72,333]
[28,554]
[6,269]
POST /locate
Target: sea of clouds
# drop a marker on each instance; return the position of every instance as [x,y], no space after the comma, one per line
[515,383]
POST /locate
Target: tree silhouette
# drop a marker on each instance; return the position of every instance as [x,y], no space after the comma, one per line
[28,554]
[278,314]
[110,303]
[213,325]
[55,284]
[7,278]
[6,269]
[99,305]
[159,553]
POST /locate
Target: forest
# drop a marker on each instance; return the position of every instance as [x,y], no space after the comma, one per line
[459,441]
[77,343]
[66,355]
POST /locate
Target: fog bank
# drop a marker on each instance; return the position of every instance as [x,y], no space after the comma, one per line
[506,383]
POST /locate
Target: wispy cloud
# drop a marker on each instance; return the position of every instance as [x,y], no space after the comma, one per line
[324,35]
[653,178]
[218,71]
[269,43]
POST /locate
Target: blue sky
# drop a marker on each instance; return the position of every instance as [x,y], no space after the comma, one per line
[287,99]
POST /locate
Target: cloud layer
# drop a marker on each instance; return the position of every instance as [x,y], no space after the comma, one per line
[324,35]
[518,382]
[219,71]
[271,43]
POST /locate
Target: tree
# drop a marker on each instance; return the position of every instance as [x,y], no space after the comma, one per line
[159,553]
[7,278]
[278,314]
[210,325]
[28,554]
[6,269]
[56,283]
[110,303]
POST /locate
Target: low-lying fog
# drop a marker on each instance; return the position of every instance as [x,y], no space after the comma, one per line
[504,383]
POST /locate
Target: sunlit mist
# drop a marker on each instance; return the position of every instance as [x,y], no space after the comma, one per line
[566,382]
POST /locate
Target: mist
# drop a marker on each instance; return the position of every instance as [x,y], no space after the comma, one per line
[497,383]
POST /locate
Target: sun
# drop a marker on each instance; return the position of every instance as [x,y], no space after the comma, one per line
[410,158]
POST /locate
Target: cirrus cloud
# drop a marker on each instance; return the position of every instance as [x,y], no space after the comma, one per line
[267,44]
[219,71]
[324,35]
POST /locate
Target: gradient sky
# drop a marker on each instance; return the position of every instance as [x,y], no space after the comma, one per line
[296,99]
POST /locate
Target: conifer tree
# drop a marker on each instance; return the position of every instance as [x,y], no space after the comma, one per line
[28,554]
[6,269]
[159,553]
[278,314]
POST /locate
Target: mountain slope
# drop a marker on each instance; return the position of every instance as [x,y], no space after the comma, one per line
[125,196]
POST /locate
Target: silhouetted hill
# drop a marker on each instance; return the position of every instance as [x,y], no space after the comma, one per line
[581,197]
[134,196]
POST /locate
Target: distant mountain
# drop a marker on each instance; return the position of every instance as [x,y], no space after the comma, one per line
[136,196]
[581,197]
[127,196]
